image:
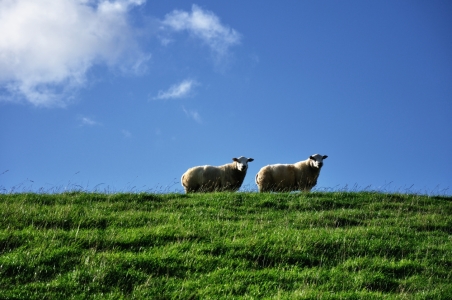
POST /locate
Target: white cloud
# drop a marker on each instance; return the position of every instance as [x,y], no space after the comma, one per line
[204,25]
[193,114]
[47,46]
[179,90]
[85,121]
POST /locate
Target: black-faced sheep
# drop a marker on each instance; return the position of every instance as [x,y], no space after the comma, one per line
[227,177]
[290,177]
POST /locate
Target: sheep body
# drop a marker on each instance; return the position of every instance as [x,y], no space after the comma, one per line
[228,177]
[302,175]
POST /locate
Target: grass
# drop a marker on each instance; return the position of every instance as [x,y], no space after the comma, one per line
[321,245]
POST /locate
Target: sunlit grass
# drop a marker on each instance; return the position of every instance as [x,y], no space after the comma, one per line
[321,245]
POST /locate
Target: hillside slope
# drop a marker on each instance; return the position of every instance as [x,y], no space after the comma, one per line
[241,245]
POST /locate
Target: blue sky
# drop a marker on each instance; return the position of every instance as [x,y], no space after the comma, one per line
[126,95]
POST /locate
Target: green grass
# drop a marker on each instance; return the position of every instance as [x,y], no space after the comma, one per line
[337,245]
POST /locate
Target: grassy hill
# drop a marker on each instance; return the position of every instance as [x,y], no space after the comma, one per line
[337,245]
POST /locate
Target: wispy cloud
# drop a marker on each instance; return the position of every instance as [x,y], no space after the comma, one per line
[204,25]
[180,90]
[126,133]
[48,46]
[192,114]
[86,121]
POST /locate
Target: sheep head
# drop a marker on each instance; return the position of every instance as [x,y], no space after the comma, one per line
[316,160]
[242,163]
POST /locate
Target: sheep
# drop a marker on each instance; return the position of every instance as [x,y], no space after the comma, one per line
[290,177]
[228,177]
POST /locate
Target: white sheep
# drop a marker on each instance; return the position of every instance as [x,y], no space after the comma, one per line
[228,177]
[290,177]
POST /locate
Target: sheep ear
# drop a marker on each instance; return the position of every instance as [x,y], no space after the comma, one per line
[235,159]
[312,157]
[250,159]
[325,156]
